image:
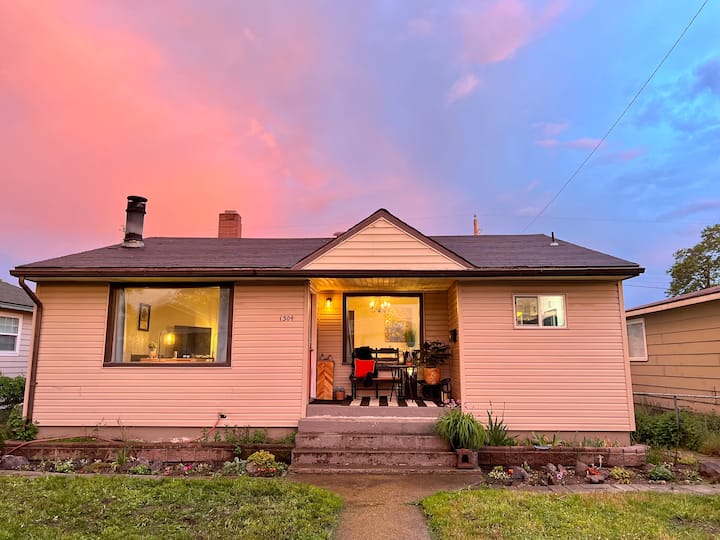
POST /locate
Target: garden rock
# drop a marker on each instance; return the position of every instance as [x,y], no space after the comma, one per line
[13,463]
[581,468]
[595,479]
[711,470]
[518,473]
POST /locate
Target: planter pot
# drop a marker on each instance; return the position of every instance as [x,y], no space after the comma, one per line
[339,395]
[432,375]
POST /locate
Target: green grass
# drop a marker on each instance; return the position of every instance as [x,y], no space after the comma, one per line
[499,514]
[133,508]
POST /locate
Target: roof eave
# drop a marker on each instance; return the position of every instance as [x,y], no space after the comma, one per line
[35,274]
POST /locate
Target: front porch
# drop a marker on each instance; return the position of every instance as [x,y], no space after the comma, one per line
[371,406]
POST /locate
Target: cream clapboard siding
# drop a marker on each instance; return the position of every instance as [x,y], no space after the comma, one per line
[553,379]
[12,365]
[330,329]
[683,346]
[382,246]
[330,336]
[265,385]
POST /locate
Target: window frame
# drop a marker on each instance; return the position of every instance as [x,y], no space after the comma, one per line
[346,295]
[540,326]
[17,336]
[110,331]
[638,321]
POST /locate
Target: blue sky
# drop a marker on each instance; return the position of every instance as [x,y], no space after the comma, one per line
[308,116]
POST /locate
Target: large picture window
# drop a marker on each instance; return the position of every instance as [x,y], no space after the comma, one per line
[169,325]
[9,334]
[382,320]
[540,311]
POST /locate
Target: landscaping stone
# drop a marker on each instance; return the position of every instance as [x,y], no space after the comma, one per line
[518,473]
[711,470]
[13,463]
[595,479]
[581,468]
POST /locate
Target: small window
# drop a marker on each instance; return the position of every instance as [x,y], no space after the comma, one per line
[540,311]
[154,325]
[637,348]
[9,334]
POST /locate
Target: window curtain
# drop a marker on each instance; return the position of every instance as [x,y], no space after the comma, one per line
[119,337]
[223,322]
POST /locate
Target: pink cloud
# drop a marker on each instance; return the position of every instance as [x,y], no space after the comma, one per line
[494,31]
[551,129]
[462,88]
[582,143]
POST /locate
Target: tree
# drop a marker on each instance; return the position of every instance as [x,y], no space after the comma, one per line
[698,267]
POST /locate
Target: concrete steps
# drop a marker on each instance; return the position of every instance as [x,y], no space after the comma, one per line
[369,444]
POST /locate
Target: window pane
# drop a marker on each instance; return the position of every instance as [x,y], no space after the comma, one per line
[9,325]
[166,325]
[382,321]
[7,343]
[636,339]
[553,310]
[526,310]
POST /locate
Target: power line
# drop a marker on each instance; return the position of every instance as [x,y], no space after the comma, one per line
[619,118]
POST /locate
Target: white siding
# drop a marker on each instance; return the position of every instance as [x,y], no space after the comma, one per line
[11,364]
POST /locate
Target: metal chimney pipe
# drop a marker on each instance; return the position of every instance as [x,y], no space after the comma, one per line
[134,222]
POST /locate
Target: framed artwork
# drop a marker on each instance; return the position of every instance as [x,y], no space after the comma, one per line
[397,321]
[144,317]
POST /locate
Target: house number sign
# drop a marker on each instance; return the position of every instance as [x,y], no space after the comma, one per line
[286,318]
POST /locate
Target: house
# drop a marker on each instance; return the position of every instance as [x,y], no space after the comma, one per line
[674,348]
[162,337]
[16,314]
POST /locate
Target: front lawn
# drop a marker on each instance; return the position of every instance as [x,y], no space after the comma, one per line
[123,507]
[494,513]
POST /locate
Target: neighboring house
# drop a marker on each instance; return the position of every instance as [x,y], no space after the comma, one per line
[537,327]
[16,317]
[674,349]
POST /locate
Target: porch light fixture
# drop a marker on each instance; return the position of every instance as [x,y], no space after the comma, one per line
[328,303]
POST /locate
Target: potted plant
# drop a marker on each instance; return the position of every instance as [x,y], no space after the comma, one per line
[410,336]
[433,354]
[339,393]
[152,349]
[460,430]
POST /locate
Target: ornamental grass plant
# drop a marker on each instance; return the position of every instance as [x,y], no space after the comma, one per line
[460,430]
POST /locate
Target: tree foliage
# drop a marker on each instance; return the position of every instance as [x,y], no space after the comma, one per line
[698,267]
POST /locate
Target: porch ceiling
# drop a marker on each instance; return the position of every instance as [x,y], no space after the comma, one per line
[395,284]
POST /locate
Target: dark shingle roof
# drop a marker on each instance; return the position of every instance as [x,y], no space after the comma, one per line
[486,252]
[528,250]
[12,297]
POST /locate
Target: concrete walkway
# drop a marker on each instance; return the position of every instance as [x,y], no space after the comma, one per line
[383,505]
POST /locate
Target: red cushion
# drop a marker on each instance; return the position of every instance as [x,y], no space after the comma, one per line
[363,367]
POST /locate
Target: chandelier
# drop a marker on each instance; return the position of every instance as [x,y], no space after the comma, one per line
[381,305]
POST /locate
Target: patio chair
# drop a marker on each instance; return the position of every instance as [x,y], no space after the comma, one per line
[364,369]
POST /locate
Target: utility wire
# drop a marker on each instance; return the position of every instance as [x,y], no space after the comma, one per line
[619,118]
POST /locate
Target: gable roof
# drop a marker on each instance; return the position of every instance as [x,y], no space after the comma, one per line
[432,247]
[483,255]
[688,299]
[12,297]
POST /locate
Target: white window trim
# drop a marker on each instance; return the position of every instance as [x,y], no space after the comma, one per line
[538,326]
[641,322]
[19,333]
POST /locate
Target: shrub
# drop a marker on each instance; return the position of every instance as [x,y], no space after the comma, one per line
[656,429]
[660,473]
[460,430]
[12,391]
[236,467]
[17,428]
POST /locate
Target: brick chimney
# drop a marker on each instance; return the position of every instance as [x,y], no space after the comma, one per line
[230,225]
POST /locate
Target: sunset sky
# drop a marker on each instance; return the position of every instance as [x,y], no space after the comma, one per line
[307,116]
